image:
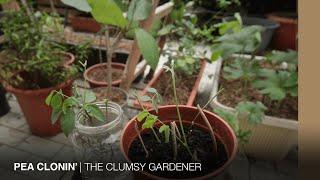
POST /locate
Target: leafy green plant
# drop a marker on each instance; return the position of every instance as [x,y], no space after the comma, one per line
[31,56]
[110,13]
[66,108]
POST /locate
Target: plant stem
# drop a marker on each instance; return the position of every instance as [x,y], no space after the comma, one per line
[155,135]
[177,106]
[28,10]
[208,102]
[54,10]
[140,138]
[174,140]
[109,52]
[214,141]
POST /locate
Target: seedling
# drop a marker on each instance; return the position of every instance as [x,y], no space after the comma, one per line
[66,108]
[111,14]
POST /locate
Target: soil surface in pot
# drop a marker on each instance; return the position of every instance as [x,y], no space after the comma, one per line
[233,94]
[101,74]
[163,153]
[184,85]
[116,96]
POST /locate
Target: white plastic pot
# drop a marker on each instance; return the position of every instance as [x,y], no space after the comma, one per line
[270,140]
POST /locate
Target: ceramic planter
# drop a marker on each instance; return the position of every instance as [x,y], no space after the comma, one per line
[169,113]
[266,36]
[270,140]
[285,36]
[156,77]
[4,106]
[93,83]
[36,112]
[85,24]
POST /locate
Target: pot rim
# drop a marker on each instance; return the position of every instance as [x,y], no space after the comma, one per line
[14,90]
[90,69]
[216,172]
[281,19]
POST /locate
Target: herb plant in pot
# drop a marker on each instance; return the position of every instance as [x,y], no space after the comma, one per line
[32,65]
[261,93]
[178,134]
[111,16]
[93,126]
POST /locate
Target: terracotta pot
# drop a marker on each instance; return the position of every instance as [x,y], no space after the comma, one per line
[157,76]
[285,36]
[36,112]
[169,113]
[93,83]
[86,24]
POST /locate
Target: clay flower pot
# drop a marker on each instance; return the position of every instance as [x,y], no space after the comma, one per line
[36,112]
[102,66]
[169,113]
[83,23]
[155,79]
[285,36]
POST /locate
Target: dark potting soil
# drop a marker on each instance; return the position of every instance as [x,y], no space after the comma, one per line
[233,94]
[101,74]
[198,141]
[184,85]
[116,96]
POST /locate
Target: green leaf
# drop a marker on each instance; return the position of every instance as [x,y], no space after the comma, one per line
[68,121]
[56,101]
[139,10]
[69,102]
[145,98]
[49,97]
[107,12]
[142,115]
[229,117]
[88,96]
[95,112]
[152,90]
[81,5]
[149,122]
[166,30]
[4,1]
[55,115]
[166,130]
[148,47]
[253,112]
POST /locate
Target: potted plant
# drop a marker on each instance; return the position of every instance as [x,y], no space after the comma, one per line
[84,22]
[178,133]
[29,62]
[111,15]
[286,35]
[93,126]
[269,27]
[256,86]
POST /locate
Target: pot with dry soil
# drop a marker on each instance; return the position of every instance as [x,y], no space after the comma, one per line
[187,87]
[276,135]
[97,74]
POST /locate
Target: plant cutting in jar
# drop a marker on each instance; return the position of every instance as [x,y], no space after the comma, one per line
[111,14]
[177,133]
[30,59]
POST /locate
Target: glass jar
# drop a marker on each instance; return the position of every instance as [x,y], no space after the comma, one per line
[99,142]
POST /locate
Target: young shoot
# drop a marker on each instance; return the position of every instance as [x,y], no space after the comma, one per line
[65,108]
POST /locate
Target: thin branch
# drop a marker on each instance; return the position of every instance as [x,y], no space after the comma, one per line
[54,10]
[140,138]
[214,142]
[174,140]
